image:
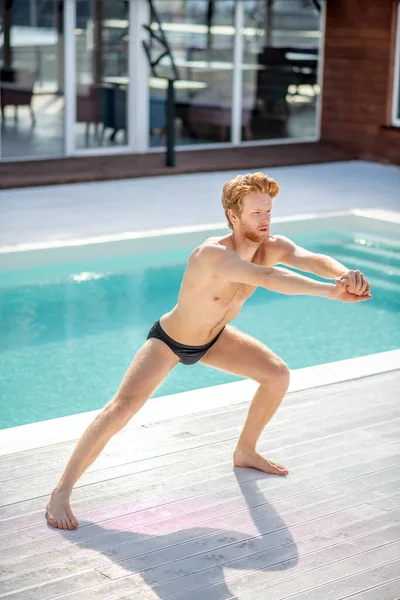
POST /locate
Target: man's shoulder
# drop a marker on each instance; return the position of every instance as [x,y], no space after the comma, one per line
[278,247]
[213,247]
[209,251]
[281,243]
[280,240]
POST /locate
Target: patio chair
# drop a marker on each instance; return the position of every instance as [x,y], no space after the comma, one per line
[17,90]
[88,106]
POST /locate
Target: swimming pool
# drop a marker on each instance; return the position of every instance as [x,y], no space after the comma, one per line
[69,330]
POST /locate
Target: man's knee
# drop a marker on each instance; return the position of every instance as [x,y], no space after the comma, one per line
[277,373]
[123,406]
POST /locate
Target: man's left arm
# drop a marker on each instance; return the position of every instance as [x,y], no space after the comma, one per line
[321,265]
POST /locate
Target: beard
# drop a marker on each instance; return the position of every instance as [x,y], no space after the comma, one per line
[257,237]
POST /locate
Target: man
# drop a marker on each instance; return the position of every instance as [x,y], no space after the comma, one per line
[220,275]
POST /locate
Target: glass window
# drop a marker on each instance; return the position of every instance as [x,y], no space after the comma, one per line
[102,80]
[396,84]
[201,36]
[32,78]
[280,69]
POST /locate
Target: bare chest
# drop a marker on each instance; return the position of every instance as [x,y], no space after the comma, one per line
[231,294]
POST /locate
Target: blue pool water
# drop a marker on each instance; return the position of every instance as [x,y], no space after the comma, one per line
[69,332]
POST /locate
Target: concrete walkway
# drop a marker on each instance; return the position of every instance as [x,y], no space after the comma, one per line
[89,209]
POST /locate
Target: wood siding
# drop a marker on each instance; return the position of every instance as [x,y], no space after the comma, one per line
[358,78]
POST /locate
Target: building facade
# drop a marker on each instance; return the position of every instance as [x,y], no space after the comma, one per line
[75,79]
[361,87]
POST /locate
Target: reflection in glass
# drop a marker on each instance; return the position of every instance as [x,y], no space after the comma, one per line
[201,37]
[101,35]
[32,78]
[397,75]
[280,64]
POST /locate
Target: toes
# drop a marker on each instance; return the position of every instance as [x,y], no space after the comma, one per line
[276,470]
[69,522]
[51,520]
[281,468]
[72,520]
[277,464]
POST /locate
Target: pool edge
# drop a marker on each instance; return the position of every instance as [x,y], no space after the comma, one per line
[22,256]
[69,428]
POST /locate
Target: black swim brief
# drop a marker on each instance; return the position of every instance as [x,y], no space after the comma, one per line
[188,355]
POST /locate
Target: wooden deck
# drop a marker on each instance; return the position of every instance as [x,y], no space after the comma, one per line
[165,515]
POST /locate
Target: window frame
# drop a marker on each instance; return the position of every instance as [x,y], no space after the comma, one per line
[396,74]
[138,92]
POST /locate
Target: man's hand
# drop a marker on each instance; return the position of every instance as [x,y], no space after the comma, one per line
[356,283]
[341,292]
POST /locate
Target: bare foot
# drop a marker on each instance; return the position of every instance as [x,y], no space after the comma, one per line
[59,513]
[248,458]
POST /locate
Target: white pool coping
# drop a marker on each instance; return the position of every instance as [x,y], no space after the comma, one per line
[63,429]
[22,256]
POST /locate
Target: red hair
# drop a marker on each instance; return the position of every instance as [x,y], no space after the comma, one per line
[237,188]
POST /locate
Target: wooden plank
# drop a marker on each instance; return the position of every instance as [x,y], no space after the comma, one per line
[240,541]
[331,431]
[335,446]
[33,484]
[16,460]
[128,485]
[341,588]
[173,559]
[325,578]
[196,528]
[231,513]
[384,591]
[266,566]
[385,470]
[143,437]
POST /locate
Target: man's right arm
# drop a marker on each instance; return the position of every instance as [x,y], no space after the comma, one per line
[224,262]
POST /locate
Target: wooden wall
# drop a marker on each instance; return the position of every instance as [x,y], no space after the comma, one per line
[358,78]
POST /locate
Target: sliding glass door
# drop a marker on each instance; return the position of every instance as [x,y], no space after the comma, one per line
[75,80]
[32,78]
[102,76]
[201,36]
[280,74]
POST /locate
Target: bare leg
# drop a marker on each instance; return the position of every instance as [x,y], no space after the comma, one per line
[262,408]
[149,368]
[241,354]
